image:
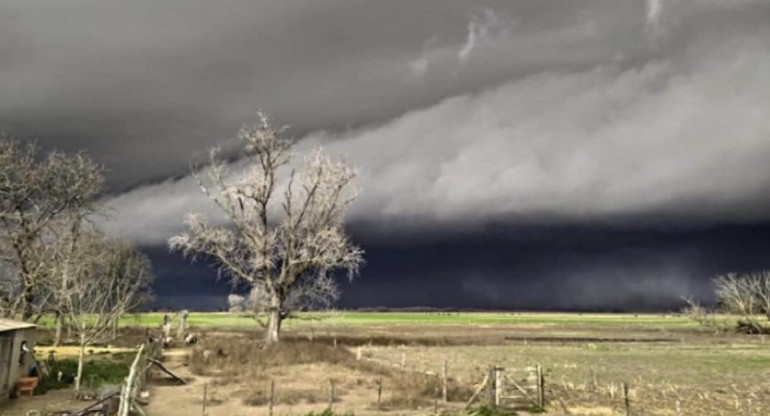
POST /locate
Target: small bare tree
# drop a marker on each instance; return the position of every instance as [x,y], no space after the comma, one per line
[107,280]
[703,316]
[285,252]
[64,247]
[34,193]
[748,296]
[236,304]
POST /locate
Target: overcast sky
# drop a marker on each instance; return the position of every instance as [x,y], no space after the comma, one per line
[618,150]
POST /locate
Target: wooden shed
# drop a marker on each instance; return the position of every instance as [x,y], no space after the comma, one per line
[16,360]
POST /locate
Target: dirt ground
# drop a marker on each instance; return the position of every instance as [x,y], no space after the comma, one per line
[55,400]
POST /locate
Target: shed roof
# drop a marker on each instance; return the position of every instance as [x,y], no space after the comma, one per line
[11,325]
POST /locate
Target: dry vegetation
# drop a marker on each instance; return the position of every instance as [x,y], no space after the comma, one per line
[669,371]
[304,372]
[679,373]
[671,368]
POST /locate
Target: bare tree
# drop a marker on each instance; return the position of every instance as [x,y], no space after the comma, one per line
[34,192]
[63,244]
[748,296]
[703,316]
[130,279]
[236,304]
[106,280]
[284,251]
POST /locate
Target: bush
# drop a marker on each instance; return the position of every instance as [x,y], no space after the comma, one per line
[245,359]
[260,396]
[230,356]
[96,373]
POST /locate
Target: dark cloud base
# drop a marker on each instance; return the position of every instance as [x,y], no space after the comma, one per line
[537,269]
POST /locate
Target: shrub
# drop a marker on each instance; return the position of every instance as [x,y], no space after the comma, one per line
[410,390]
[230,356]
[96,373]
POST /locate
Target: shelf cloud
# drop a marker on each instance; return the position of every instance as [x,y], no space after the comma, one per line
[545,154]
[678,134]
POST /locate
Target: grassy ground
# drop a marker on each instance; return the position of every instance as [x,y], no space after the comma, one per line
[706,376]
[217,320]
[666,360]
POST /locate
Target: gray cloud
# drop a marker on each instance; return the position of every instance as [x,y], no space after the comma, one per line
[146,85]
[457,113]
[677,134]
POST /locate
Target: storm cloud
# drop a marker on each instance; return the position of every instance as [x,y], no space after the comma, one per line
[678,134]
[464,118]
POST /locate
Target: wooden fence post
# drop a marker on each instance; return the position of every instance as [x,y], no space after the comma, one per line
[498,385]
[166,328]
[331,393]
[540,387]
[181,330]
[272,398]
[435,400]
[444,381]
[403,360]
[205,388]
[492,387]
[127,392]
[379,393]
[626,400]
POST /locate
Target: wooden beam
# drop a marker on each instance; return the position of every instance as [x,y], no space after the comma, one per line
[479,390]
[522,391]
[167,371]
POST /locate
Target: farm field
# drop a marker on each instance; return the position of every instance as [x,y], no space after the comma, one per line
[223,320]
[670,365]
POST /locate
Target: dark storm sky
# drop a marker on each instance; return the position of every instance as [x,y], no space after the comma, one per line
[522,154]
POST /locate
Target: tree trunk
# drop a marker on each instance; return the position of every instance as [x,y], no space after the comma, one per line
[57,334]
[115,327]
[181,330]
[272,334]
[26,306]
[81,354]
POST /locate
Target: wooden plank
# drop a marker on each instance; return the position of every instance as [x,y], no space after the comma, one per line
[167,371]
[95,405]
[476,393]
[126,395]
[522,390]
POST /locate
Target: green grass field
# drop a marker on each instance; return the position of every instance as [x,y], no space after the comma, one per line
[222,320]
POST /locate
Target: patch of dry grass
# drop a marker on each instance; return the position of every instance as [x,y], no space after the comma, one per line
[230,356]
[410,390]
[259,395]
[304,371]
[705,374]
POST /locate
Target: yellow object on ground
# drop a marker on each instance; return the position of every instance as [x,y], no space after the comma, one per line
[72,351]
